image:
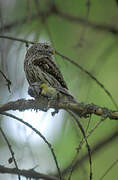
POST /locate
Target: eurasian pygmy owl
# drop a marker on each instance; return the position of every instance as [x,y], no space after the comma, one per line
[39,66]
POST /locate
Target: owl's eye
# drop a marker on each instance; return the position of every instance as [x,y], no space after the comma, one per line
[46,46]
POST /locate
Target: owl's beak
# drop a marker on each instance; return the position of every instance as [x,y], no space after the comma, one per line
[52,51]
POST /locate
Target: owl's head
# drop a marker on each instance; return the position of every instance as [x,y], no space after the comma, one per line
[41,49]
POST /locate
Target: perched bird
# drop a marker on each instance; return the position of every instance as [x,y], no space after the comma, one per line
[42,72]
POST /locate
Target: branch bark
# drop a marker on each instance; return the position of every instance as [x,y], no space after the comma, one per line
[81,109]
[26,173]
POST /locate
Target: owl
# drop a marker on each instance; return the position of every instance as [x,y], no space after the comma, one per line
[39,66]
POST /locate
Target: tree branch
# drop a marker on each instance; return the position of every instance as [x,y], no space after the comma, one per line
[17,39]
[39,134]
[7,80]
[11,151]
[87,144]
[27,173]
[94,150]
[109,169]
[81,109]
[91,76]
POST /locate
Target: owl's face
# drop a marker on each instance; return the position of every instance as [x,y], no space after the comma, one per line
[41,49]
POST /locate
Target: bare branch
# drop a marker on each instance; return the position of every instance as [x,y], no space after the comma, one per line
[26,173]
[85,138]
[107,171]
[17,39]
[91,76]
[7,80]
[37,132]
[81,109]
[80,146]
[94,150]
[11,151]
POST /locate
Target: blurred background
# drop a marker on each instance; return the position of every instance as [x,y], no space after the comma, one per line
[87,32]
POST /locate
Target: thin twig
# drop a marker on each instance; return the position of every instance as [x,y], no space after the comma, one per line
[89,133]
[17,39]
[7,80]
[91,76]
[84,135]
[95,149]
[109,169]
[11,151]
[78,150]
[37,132]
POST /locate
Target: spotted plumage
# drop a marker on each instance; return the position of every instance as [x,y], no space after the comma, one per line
[39,66]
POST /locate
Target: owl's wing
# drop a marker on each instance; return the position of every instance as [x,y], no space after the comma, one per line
[47,65]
